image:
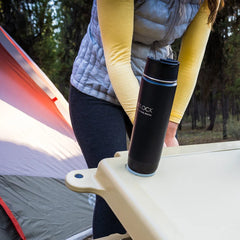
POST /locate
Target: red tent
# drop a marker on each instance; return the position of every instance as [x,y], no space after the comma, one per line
[37,150]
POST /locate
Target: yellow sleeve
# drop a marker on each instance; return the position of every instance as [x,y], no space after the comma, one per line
[116,27]
[190,57]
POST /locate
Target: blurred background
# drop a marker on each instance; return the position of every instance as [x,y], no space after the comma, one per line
[50,31]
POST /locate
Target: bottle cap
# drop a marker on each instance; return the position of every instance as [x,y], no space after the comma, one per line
[162,69]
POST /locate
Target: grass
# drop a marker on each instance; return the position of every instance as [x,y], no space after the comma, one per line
[187,135]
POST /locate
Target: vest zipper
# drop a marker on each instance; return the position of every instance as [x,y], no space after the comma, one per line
[174,21]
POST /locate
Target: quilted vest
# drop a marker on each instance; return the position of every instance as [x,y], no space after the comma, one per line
[157,23]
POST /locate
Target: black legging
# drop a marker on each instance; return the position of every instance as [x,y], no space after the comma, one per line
[100,128]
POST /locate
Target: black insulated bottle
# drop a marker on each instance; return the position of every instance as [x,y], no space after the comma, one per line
[157,90]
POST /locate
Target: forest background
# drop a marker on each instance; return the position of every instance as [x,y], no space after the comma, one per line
[50,31]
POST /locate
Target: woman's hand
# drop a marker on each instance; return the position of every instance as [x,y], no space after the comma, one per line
[170,138]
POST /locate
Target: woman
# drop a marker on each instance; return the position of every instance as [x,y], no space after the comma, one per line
[106,74]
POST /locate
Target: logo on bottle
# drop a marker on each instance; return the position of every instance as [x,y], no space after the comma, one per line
[148,111]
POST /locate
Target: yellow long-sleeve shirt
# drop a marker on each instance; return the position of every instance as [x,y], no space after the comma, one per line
[117,51]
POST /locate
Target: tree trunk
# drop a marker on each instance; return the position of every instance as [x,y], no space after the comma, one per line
[194,112]
[212,111]
[203,114]
[224,114]
[237,111]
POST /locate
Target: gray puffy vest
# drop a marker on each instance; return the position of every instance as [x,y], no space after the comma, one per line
[157,23]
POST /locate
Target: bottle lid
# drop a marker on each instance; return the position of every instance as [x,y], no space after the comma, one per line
[162,69]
